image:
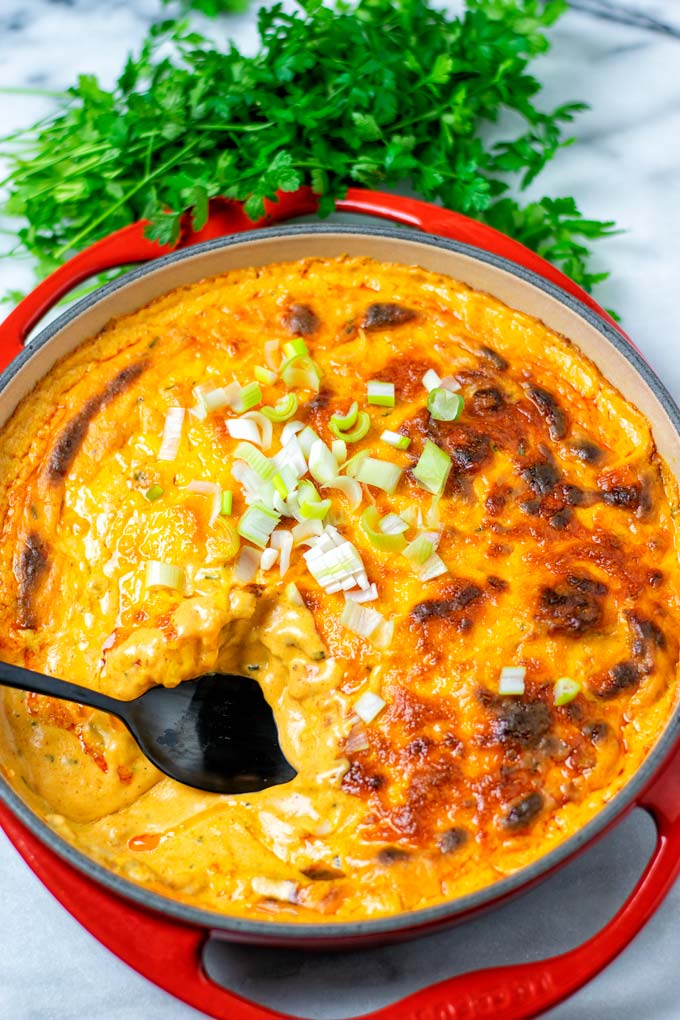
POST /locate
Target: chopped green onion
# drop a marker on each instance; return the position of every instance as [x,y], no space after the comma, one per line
[432,567]
[512,680]
[368,706]
[263,424]
[163,575]
[306,439]
[339,450]
[247,564]
[444,405]
[323,466]
[226,502]
[379,473]
[249,396]
[419,550]
[285,480]
[433,468]
[172,433]
[396,440]
[257,524]
[431,380]
[393,524]
[154,493]
[346,421]
[255,459]
[370,522]
[283,409]
[360,619]
[269,558]
[362,427]
[293,348]
[314,509]
[264,375]
[293,594]
[349,487]
[381,393]
[300,370]
[565,690]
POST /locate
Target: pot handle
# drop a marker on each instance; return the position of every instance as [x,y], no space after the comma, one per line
[169,953]
[129,245]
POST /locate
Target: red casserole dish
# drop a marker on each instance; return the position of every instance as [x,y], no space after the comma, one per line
[163,939]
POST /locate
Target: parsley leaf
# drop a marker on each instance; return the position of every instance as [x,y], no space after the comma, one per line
[379,94]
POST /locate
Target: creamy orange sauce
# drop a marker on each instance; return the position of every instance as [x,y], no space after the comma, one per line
[556,529]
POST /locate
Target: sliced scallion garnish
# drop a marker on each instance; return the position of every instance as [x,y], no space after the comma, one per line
[393,524]
[323,466]
[433,468]
[163,575]
[565,690]
[431,380]
[368,706]
[370,522]
[512,680]
[345,421]
[358,432]
[226,502]
[314,509]
[283,409]
[380,393]
[154,493]
[396,439]
[301,370]
[419,550]
[255,459]
[172,433]
[257,524]
[444,405]
[264,375]
[360,620]
[380,473]
[293,348]
[249,396]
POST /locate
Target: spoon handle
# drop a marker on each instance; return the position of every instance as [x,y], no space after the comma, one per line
[39,683]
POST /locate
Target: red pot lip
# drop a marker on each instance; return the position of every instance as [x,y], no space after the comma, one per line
[413,922]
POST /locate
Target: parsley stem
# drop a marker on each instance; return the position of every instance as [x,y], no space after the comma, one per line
[21,90]
[79,238]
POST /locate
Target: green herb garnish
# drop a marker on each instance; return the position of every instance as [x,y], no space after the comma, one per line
[374,94]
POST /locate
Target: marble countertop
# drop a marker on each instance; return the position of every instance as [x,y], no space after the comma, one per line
[622,58]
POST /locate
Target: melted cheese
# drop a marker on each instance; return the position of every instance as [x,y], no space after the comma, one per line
[557,532]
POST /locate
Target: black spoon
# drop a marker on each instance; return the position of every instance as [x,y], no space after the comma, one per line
[216,732]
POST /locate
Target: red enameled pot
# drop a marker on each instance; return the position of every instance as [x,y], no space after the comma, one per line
[162,938]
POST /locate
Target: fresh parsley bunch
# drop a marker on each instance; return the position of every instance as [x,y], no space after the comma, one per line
[374,94]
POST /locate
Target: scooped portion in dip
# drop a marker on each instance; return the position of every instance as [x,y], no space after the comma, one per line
[441,541]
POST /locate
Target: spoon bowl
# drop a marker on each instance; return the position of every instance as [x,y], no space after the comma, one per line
[216,732]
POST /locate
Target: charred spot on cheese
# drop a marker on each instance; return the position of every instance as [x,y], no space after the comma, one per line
[322,873]
[31,565]
[456,596]
[315,412]
[497,583]
[69,442]
[561,519]
[550,410]
[628,497]
[496,359]
[574,608]
[596,731]
[524,812]
[541,476]
[452,840]
[467,447]
[406,373]
[619,679]
[300,320]
[523,723]
[389,855]
[587,451]
[385,315]
[487,400]
[496,500]
[360,781]
[647,638]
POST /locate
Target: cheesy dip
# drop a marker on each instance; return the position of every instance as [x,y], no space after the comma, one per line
[438,538]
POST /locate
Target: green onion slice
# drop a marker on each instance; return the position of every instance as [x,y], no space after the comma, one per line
[226,502]
[264,375]
[360,619]
[154,493]
[433,468]
[379,473]
[294,348]
[300,370]
[257,524]
[323,466]
[512,680]
[314,509]
[396,439]
[444,405]
[163,575]
[249,396]
[393,524]
[419,550]
[283,409]
[565,690]
[345,421]
[381,393]
[255,459]
[370,522]
[361,430]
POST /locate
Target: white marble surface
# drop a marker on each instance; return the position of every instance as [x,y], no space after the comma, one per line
[625,166]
